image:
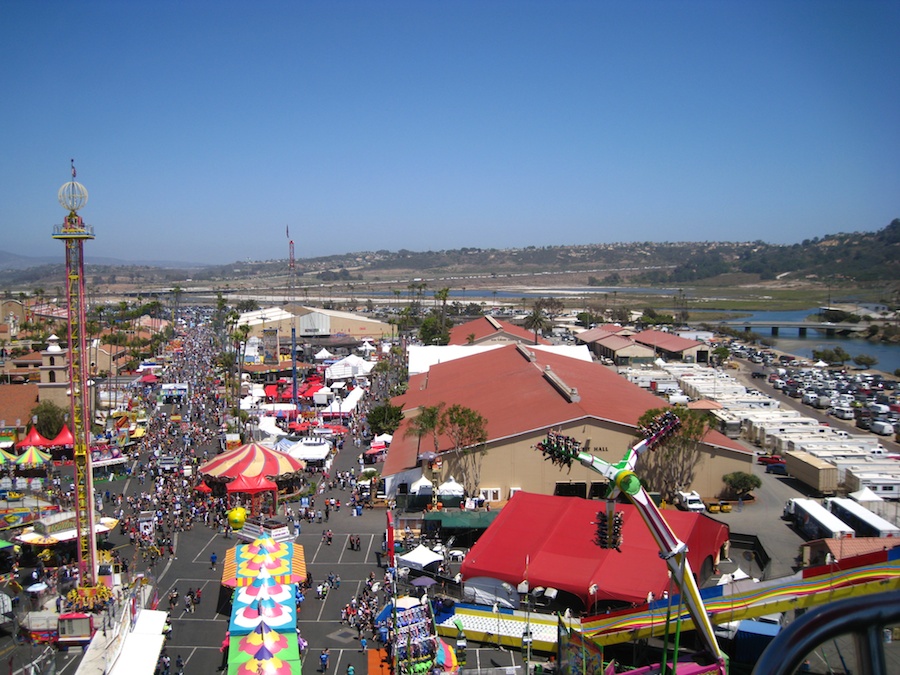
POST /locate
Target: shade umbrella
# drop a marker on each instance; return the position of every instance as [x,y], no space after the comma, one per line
[6,458]
[37,588]
[407,602]
[32,457]
[424,582]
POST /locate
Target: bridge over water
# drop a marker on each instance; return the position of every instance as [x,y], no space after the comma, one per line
[802,327]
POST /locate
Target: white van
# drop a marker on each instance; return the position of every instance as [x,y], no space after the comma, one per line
[882,428]
[842,412]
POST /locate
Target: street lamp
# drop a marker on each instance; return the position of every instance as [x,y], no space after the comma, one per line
[526,634]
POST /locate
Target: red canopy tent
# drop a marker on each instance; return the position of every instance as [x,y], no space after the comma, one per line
[556,536]
[203,487]
[64,437]
[149,378]
[34,438]
[254,487]
[251,485]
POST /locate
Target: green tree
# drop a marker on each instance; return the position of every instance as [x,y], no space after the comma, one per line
[672,465]
[840,355]
[50,418]
[385,418]
[466,430]
[433,331]
[741,483]
[865,360]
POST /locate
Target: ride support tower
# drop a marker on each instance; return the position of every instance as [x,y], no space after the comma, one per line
[73,231]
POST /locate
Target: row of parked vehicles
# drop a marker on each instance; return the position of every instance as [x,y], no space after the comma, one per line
[868,399]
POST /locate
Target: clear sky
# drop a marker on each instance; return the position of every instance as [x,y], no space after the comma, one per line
[203,129]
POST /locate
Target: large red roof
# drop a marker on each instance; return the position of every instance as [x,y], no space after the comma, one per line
[555,535]
[511,392]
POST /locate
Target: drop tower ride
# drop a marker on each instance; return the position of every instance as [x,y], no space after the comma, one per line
[73,231]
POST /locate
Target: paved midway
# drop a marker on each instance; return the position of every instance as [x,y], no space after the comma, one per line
[197,636]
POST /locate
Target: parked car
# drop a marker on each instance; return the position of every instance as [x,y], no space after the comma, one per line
[770,459]
[777,469]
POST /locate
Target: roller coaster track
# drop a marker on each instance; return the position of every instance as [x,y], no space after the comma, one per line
[747,599]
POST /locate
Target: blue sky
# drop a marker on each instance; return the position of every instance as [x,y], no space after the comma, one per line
[202,129]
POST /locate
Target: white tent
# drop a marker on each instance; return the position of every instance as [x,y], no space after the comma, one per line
[348,367]
[737,575]
[323,354]
[419,558]
[865,495]
[422,486]
[451,488]
[367,347]
[310,449]
[820,364]
[383,438]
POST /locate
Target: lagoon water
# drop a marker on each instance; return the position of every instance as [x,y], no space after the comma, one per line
[788,341]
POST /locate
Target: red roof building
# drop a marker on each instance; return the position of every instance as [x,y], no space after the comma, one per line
[487,329]
[555,535]
[522,394]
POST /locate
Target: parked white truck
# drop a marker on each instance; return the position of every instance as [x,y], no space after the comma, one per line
[689,501]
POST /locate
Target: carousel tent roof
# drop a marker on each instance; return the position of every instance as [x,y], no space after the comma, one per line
[250,461]
[32,457]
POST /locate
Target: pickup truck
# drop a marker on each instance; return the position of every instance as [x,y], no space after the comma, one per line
[689,501]
[770,459]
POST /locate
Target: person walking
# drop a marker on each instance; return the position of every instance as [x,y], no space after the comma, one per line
[323,660]
[212,560]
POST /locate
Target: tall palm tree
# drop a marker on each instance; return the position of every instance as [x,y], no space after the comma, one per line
[537,322]
[442,296]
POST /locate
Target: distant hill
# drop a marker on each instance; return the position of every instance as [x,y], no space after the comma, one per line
[14,261]
[860,257]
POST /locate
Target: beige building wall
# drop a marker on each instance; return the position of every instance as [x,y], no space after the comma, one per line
[516,464]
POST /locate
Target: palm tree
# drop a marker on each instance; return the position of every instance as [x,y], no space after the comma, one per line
[429,421]
[537,322]
[442,296]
